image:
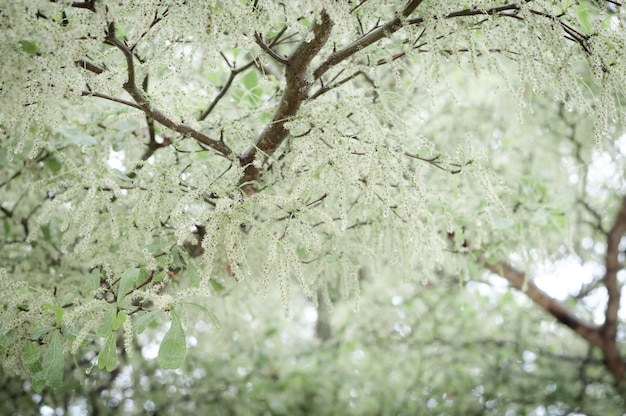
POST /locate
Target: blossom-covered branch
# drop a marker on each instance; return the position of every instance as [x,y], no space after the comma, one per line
[144,103]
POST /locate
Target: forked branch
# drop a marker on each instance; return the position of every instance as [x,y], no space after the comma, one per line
[146,106]
[604,336]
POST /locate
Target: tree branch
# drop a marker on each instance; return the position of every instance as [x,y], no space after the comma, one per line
[296,92]
[609,329]
[511,10]
[603,337]
[144,104]
[364,41]
[259,41]
[519,281]
[233,73]
[88,4]
[110,98]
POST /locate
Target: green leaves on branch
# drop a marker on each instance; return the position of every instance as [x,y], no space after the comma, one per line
[173,348]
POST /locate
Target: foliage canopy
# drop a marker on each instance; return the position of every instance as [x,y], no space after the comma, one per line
[157,155]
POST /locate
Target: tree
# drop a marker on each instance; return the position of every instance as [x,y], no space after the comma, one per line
[156,155]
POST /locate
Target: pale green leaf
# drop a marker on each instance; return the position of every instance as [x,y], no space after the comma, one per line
[106,326]
[118,320]
[58,312]
[127,282]
[121,175]
[29,47]
[53,363]
[583,18]
[173,348]
[144,320]
[107,358]
[31,353]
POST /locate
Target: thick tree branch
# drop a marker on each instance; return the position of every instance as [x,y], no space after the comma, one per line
[144,103]
[612,267]
[364,41]
[609,329]
[296,92]
[519,281]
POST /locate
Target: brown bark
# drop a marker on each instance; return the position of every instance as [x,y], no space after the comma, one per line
[603,336]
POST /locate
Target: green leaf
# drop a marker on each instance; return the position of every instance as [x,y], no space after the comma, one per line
[94,279]
[107,358]
[190,266]
[250,80]
[173,348]
[4,160]
[214,319]
[118,144]
[559,221]
[53,364]
[160,276]
[121,175]
[53,164]
[29,47]
[177,263]
[144,275]
[217,286]
[127,281]
[106,327]
[304,22]
[118,320]
[45,229]
[583,18]
[144,320]
[38,383]
[6,225]
[41,331]
[5,341]
[31,353]
[58,313]
[301,252]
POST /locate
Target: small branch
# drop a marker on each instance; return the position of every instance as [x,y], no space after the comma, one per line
[324,89]
[110,98]
[222,93]
[155,20]
[144,104]
[511,10]
[89,66]
[88,4]
[259,41]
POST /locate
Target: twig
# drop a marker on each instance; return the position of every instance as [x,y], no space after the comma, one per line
[110,98]
[222,93]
